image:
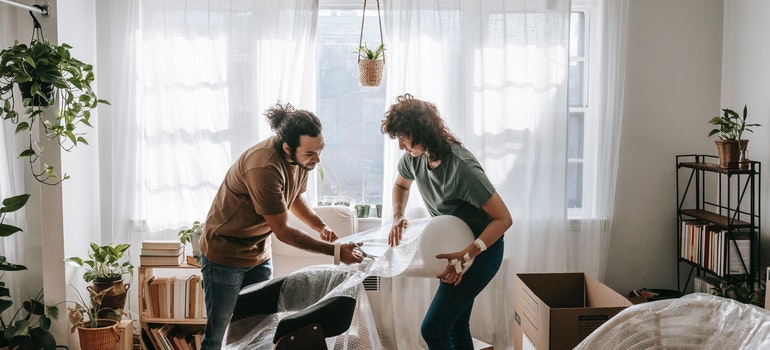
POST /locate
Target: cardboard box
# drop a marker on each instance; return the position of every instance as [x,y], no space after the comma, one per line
[558,310]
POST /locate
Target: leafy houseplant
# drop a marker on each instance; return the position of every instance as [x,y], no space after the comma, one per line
[86,316]
[371,64]
[730,127]
[104,263]
[741,288]
[192,235]
[105,269]
[52,76]
[29,326]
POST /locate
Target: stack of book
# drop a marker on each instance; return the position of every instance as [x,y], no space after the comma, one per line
[162,253]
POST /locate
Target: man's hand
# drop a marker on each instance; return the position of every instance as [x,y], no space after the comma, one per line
[328,235]
[397,231]
[349,253]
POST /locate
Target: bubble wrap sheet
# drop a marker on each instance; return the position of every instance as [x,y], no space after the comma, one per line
[694,321]
[313,284]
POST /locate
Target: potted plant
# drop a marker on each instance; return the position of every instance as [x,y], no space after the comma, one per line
[105,268]
[192,235]
[731,147]
[94,330]
[743,288]
[371,64]
[46,74]
[28,327]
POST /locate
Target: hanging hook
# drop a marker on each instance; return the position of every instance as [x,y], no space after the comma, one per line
[37,29]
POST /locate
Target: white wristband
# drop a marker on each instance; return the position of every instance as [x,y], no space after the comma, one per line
[479,243]
[337,253]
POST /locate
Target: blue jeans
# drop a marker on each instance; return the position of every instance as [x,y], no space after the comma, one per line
[221,286]
[447,323]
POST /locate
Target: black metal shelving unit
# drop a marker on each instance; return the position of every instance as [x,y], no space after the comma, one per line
[723,199]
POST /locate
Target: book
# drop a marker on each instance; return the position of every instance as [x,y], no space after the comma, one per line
[157,260]
[193,261]
[161,244]
[162,251]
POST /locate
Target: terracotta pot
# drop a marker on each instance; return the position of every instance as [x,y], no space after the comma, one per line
[104,337]
[115,299]
[729,152]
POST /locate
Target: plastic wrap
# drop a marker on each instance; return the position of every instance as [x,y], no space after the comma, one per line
[414,256]
[694,321]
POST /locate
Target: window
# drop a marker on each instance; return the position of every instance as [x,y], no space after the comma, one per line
[578,159]
[352,162]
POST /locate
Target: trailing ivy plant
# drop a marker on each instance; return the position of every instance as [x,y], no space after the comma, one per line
[54,78]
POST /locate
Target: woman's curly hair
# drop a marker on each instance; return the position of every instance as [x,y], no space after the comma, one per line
[420,121]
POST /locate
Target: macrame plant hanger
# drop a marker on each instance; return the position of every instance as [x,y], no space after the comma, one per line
[371,69]
[45,96]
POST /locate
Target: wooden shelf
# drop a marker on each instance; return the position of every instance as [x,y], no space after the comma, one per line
[713,167]
[715,218]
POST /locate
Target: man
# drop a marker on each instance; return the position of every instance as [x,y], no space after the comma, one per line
[267,180]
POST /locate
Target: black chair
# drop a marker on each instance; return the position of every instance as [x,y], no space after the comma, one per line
[312,323]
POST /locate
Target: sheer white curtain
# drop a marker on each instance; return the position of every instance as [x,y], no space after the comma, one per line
[589,236]
[189,81]
[497,70]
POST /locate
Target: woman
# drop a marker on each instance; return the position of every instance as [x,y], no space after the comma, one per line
[451,182]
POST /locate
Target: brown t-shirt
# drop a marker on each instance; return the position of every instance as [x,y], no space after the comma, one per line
[261,182]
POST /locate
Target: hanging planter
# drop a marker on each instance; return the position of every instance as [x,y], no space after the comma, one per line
[47,75]
[371,63]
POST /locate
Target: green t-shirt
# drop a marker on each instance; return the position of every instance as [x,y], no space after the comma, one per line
[458,186]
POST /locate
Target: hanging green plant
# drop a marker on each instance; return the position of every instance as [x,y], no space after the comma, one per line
[46,75]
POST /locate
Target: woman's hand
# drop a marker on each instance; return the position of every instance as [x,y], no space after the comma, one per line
[397,231]
[455,261]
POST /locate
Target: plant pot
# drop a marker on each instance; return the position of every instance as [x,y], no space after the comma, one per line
[729,152]
[104,337]
[379,210]
[362,210]
[371,72]
[115,299]
[196,246]
[37,100]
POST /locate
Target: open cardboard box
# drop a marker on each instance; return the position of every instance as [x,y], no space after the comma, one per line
[558,310]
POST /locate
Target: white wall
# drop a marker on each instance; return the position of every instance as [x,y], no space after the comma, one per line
[672,90]
[746,80]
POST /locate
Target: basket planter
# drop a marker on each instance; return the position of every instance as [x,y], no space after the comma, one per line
[371,72]
[104,337]
[729,152]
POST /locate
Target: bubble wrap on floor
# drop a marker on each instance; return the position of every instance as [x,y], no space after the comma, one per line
[694,321]
[317,283]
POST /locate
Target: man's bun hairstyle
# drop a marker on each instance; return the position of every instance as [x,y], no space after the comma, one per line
[289,124]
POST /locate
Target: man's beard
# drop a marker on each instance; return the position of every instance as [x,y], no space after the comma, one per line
[293,161]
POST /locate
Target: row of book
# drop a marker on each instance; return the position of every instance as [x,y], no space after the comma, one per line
[715,249]
[174,297]
[171,337]
[162,253]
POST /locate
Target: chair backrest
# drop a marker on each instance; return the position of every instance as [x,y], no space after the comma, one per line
[287,259]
